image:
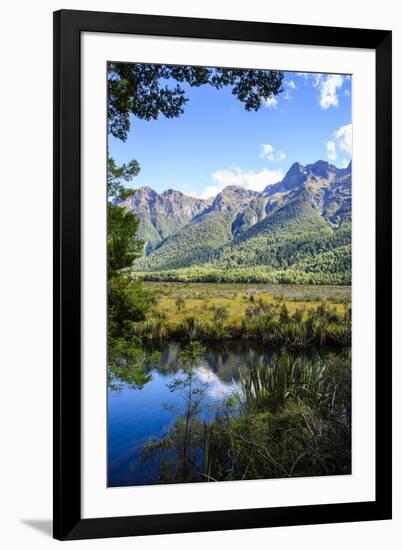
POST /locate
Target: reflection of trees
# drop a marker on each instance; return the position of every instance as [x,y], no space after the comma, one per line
[129,364]
[184,437]
[229,359]
[292,417]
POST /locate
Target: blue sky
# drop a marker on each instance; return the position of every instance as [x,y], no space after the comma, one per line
[216,142]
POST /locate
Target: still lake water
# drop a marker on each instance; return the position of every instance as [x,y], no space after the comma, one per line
[135,415]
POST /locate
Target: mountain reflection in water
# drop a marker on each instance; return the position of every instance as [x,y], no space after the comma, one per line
[135,415]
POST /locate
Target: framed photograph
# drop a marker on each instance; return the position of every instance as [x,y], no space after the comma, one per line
[222,274]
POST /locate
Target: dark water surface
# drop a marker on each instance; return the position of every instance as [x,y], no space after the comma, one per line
[135,415]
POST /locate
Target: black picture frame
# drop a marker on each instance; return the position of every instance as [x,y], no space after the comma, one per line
[68,522]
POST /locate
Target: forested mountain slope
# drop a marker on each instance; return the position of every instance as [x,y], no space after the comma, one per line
[196,242]
[297,230]
[161,215]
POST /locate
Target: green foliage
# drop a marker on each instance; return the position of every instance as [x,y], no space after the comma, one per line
[330,262]
[142,90]
[182,439]
[269,386]
[258,274]
[220,314]
[194,244]
[129,364]
[294,240]
[271,324]
[128,302]
[117,175]
[291,417]
[274,326]
[191,329]
[151,329]
[189,355]
[294,245]
[278,240]
[296,416]
[123,246]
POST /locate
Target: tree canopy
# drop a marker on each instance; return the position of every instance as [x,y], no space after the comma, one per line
[143,90]
[123,246]
[117,175]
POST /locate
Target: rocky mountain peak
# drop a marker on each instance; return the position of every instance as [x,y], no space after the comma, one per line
[295,176]
[296,168]
[233,197]
[171,193]
[237,190]
[146,192]
[323,185]
[322,169]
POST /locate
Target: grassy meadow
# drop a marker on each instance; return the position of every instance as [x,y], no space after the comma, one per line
[296,317]
[177,301]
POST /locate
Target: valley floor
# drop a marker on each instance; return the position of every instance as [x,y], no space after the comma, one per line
[180,300]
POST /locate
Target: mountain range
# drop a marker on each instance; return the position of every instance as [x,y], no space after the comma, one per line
[296,230]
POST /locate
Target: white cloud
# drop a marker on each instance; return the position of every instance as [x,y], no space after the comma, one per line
[344,163]
[289,86]
[271,102]
[344,138]
[187,189]
[208,192]
[268,152]
[341,141]
[189,192]
[328,90]
[249,179]
[327,85]
[316,79]
[331,150]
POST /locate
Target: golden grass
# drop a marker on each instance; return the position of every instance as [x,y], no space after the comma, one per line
[201,298]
